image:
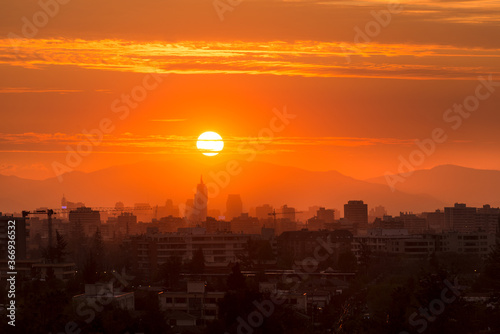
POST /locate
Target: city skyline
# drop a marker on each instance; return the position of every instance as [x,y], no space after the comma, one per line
[250,166]
[152,89]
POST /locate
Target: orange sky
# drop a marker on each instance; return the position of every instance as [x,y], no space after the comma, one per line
[358,106]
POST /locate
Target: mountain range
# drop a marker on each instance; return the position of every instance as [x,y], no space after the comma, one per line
[257,182]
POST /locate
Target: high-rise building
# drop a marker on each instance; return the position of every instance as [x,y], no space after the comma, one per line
[356,212]
[234,206]
[188,208]
[323,218]
[67,206]
[86,219]
[262,212]
[245,224]
[144,212]
[150,251]
[171,209]
[127,223]
[413,223]
[200,203]
[288,213]
[460,218]
[435,220]
[303,244]
[377,212]
[327,215]
[213,225]
[487,219]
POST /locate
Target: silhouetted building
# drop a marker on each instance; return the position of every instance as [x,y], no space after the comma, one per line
[377,212]
[143,212]
[388,223]
[195,303]
[199,212]
[188,210]
[150,251]
[234,206]
[168,210]
[459,218]
[315,224]
[356,212]
[304,244]
[213,225]
[487,219]
[262,212]
[284,224]
[435,220]
[245,224]
[413,223]
[328,215]
[323,219]
[398,241]
[170,224]
[85,219]
[476,243]
[67,206]
[288,213]
[127,223]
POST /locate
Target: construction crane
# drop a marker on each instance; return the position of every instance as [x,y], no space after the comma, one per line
[274,213]
[49,213]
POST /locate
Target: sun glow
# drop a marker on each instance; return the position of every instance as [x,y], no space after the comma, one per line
[210,143]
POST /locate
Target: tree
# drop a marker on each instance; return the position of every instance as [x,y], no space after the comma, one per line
[347,261]
[365,257]
[78,244]
[236,280]
[90,272]
[170,271]
[60,249]
[197,264]
[98,250]
[492,267]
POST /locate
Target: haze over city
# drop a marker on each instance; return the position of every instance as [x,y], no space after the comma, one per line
[249,166]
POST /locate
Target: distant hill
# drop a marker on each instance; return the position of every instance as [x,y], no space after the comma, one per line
[257,182]
[451,184]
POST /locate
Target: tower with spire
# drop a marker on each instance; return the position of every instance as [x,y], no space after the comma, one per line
[199,212]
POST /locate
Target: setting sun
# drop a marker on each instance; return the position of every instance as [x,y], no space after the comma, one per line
[210,143]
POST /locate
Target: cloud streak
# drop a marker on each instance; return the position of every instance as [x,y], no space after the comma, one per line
[129,143]
[301,58]
[21,90]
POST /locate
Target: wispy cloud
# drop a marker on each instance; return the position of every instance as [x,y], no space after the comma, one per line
[20,90]
[129,143]
[302,58]
[169,120]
